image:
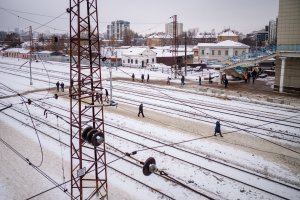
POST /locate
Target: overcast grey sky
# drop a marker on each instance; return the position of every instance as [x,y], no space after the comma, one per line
[147,16]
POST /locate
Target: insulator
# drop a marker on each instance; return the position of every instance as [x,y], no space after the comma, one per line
[29,101]
[68,10]
[55,39]
[90,135]
[149,166]
[103,59]
[55,96]
[85,132]
[97,139]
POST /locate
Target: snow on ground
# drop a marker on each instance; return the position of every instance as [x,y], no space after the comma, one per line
[16,175]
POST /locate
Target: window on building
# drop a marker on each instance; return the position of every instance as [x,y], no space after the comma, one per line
[131,61]
[219,52]
[147,60]
[243,52]
[226,53]
[153,60]
[236,53]
[128,60]
[136,61]
[202,52]
[212,52]
[123,61]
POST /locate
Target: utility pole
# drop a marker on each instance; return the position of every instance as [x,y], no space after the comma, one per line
[175,48]
[87,136]
[31,49]
[185,57]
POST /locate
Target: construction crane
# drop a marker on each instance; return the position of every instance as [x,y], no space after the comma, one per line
[88,159]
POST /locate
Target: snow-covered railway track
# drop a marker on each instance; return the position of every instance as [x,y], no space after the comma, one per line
[225,109]
[201,162]
[156,186]
[192,115]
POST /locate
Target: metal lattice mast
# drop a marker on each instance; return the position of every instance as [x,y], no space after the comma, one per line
[175,44]
[88,163]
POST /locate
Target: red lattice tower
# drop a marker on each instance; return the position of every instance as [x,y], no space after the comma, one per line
[88,162]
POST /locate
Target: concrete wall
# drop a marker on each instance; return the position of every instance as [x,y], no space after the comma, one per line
[291,81]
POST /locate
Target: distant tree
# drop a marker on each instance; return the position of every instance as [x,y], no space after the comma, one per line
[2,36]
[12,39]
[248,41]
[128,36]
[193,32]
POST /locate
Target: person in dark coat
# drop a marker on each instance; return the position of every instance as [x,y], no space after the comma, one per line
[97,97]
[132,76]
[106,95]
[141,110]
[218,129]
[199,80]
[209,78]
[182,80]
[254,74]
[62,86]
[225,82]
[168,81]
[142,77]
[57,86]
[148,77]
[248,76]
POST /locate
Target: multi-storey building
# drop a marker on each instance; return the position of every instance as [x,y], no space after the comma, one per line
[287,74]
[169,28]
[116,29]
[273,32]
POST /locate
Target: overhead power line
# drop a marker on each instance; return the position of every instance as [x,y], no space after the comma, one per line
[32,21]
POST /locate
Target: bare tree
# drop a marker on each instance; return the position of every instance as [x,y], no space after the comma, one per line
[128,36]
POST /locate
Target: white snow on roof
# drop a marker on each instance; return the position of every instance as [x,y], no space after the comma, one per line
[134,51]
[159,36]
[168,53]
[228,33]
[206,36]
[226,43]
[45,52]
[17,50]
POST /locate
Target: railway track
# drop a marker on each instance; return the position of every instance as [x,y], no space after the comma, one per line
[193,159]
[136,166]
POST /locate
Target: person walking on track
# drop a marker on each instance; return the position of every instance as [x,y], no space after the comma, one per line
[62,85]
[57,86]
[142,77]
[106,95]
[182,80]
[218,129]
[141,110]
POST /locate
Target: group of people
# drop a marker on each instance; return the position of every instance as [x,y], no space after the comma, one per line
[62,86]
[99,96]
[249,74]
[142,77]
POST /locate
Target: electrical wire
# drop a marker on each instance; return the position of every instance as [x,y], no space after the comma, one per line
[40,144]
[33,166]
[31,20]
